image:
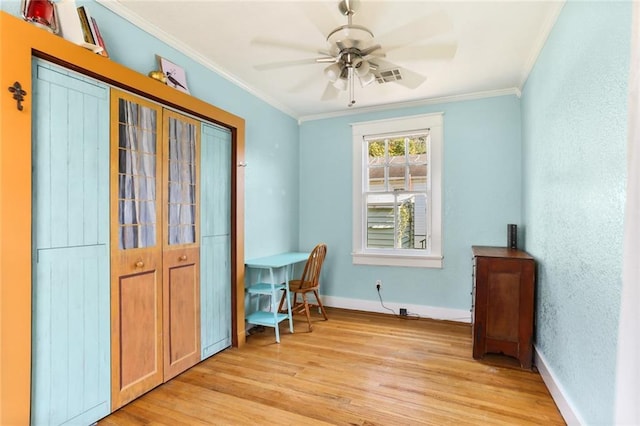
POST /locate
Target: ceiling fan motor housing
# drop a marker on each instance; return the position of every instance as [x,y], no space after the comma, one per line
[348,7]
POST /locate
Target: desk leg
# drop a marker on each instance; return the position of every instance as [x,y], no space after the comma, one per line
[274,307]
[287,274]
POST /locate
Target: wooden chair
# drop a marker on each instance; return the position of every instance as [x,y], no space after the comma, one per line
[309,282]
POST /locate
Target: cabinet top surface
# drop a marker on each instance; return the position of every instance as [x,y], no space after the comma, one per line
[486,251]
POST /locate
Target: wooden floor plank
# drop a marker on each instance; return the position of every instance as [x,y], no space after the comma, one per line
[355,369]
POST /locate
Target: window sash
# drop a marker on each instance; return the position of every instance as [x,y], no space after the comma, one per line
[431,256]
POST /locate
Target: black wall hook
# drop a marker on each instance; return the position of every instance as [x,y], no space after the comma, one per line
[18,94]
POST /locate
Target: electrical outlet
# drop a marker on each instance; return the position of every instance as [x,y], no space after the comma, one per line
[378,284]
[403,312]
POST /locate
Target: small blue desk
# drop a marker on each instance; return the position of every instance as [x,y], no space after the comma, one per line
[284,261]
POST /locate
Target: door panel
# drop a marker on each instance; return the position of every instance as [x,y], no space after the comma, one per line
[181,247]
[136,249]
[215,249]
[216,294]
[70,293]
[182,312]
[138,315]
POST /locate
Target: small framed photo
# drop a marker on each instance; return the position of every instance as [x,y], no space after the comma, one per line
[176,76]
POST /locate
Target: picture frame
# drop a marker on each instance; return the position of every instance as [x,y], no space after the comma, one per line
[176,77]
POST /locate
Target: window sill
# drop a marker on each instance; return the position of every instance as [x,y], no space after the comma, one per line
[396,260]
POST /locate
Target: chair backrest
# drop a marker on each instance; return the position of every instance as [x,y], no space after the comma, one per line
[311,274]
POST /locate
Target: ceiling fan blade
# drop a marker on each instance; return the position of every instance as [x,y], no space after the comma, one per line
[286,45]
[441,51]
[370,50]
[330,93]
[410,79]
[303,84]
[419,29]
[284,64]
[322,16]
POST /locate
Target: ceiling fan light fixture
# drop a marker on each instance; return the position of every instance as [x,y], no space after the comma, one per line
[332,72]
[366,79]
[341,84]
[362,68]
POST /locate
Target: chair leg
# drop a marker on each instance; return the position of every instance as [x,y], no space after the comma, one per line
[324,313]
[284,294]
[306,309]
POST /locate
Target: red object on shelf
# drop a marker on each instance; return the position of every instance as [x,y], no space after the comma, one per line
[41,13]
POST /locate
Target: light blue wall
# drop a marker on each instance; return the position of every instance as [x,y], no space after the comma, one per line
[482,186]
[271,185]
[574,109]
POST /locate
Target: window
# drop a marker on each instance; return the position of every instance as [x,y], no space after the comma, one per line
[397,168]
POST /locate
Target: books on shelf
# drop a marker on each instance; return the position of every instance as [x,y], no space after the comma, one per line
[98,37]
[71,25]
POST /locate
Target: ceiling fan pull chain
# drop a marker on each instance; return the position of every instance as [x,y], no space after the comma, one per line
[352,98]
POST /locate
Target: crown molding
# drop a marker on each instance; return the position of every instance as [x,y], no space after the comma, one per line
[546,28]
[116,7]
[412,104]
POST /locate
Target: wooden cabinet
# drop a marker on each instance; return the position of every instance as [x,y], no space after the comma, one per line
[503,303]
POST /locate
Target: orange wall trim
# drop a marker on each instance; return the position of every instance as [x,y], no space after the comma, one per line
[19,41]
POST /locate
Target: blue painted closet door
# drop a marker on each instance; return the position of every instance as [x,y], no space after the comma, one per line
[71,327]
[215,231]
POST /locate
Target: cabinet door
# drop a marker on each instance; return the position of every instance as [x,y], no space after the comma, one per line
[215,252]
[503,322]
[136,247]
[181,252]
[70,358]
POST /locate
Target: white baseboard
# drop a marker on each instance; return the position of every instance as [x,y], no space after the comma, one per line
[433,312]
[568,411]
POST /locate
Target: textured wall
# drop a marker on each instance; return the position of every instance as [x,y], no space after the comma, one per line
[574,145]
[482,188]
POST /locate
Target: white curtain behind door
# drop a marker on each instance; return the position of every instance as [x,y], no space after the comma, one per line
[627,408]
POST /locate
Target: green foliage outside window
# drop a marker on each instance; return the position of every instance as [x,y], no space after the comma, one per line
[397,147]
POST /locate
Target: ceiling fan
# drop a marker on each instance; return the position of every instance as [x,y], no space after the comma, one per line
[354,56]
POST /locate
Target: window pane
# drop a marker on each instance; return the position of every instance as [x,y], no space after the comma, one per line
[411,228]
[376,179]
[375,169]
[182,189]
[396,147]
[397,178]
[380,221]
[137,175]
[417,177]
[376,151]
[418,145]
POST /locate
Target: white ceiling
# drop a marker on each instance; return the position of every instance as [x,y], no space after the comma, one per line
[497,43]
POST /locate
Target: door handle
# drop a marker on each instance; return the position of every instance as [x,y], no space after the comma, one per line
[139,264]
[183,257]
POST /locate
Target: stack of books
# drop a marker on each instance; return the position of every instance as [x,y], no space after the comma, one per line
[79,27]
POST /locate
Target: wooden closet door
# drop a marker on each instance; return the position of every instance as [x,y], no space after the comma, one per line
[136,247]
[181,247]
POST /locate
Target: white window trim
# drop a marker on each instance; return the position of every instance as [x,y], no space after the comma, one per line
[360,254]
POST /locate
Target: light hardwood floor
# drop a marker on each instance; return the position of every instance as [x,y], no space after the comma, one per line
[355,369]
